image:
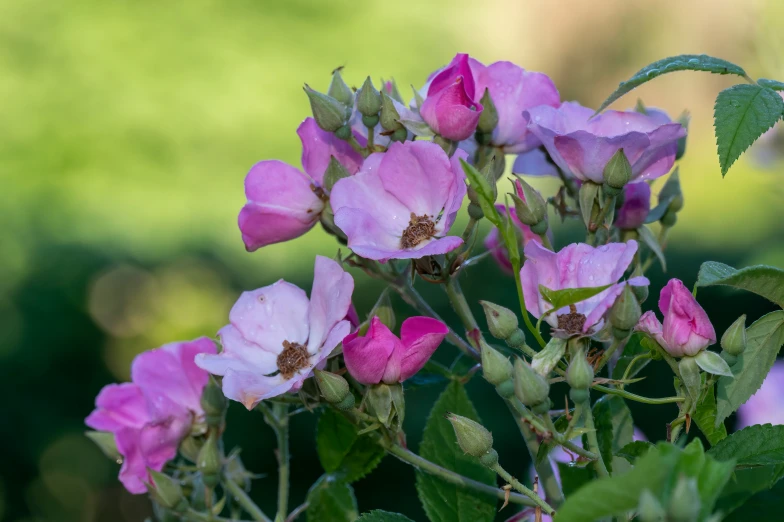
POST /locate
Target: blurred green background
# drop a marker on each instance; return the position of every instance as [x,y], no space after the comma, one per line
[126,129]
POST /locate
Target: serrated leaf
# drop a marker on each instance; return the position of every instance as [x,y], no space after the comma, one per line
[444,502]
[742,114]
[484,191]
[331,500]
[634,450]
[342,451]
[614,430]
[684,62]
[771,84]
[765,281]
[712,362]
[633,348]
[763,341]
[763,502]
[758,445]
[705,418]
[647,237]
[568,296]
[711,480]
[573,477]
[378,515]
[417,128]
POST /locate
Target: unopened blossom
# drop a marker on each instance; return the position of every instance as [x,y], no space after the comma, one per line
[277,336]
[636,206]
[151,415]
[687,330]
[765,406]
[451,107]
[581,144]
[513,90]
[380,356]
[285,202]
[402,203]
[577,266]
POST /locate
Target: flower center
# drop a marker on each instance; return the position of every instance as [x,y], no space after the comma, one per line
[419,229]
[573,322]
[293,358]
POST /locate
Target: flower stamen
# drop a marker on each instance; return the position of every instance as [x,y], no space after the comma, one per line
[420,228]
[573,322]
[293,358]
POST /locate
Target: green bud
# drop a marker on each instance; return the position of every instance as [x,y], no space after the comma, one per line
[390,118]
[531,209]
[473,438]
[579,375]
[640,292]
[340,91]
[516,340]
[106,443]
[496,367]
[489,459]
[487,174]
[166,491]
[483,138]
[335,171]
[501,322]
[669,219]
[328,112]
[344,132]
[399,135]
[547,358]
[190,447]
[734,339]
[579,395]
[235,471]
[333,387]
[498,162]
[530,387]
[368,99]
[540,228]
[685,501]
[640,107]
[209,461]
[690,375]
[506,389]
[626,311]
[213,402]
[672,191]
[683,119]
[384,311]
[447,145]
[370,121]
[589,198]
[650,509]
[387,403]
[489,118]
[617,173]
[390,88]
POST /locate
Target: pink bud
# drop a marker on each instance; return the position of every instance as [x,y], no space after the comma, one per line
[451,108]
[636,205]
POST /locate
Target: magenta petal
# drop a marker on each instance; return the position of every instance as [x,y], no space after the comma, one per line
[686,328]
[318,146]
[330,300]
[119,406]
[451,112]
[636,205]
[367,357]
[420,336]
[459,67]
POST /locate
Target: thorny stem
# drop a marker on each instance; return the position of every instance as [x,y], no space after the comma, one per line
[281,428]
[297,512]
[546,508]
[460,305]
[593,442]
[631,364]
[242,498]
[636,398]
[616,343]
[370,138]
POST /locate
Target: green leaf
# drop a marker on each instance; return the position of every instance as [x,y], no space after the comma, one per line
[331,500]
[634,450]
[758,445]
[634,347]
[711,480]
[742,114]
[747,483]
[647,237]
[712,362]
[569,296]
[614,430]
[573,477]
[765,504]
[561,424]
[684,62]
[341,451]
[418,128]
[771,84]
[765,281]
[763,340]
[378,515]
[445,502]
[485,192]
[705,418]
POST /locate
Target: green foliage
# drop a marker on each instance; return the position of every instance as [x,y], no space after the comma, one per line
[614,430]
[766,281]
[569,296]
[741,114]
[378,515]
[684,62]
[771,84]
[634,450]
[331,500]
[712,362]
[445,502]
[634,347]
[758,445]
[765,503]
[561,423]
[763,340]
[341,451]
[745,484]
[485,192]
[705,418]
[574,477]
[647,237]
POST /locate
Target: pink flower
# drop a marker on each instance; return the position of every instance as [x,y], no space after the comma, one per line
[636,205]
[276,336]
[402,202]
[380,356]
[581,145]
[150,416]
[534,163]
[686,330]
[451,108]
[765,405]
[577,266]
[283,202]
[514,90]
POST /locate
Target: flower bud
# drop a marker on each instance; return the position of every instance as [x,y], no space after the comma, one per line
[501,322]
[496,367]
[328,112]
[391,90]
[383,310]
[650,509]
[235,471]
[547,358]
[641,291]
[625,313]
[734,339]
[672,191]
[166,492]
[685,501]
[579,375]
[617,173]
[209,461]
[473,438]
[106,443]
[333,388]
[683,119]
[489,118]
[531,388]
[214,403]
[399,135]
[489,176]
[390,118]
[335,171]
[690,376]
[190,447]
[368,99]
[344,132]
[530,207]
[589,198]
[387,403]
[340,91]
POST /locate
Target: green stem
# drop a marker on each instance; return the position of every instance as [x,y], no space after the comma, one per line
[631,364]
[546,241]
[636,398]
[608,353]
[521,298]
[593,442]
[546,508]
[370,139]
[460,305]
[242,498]
[431,468]
[196,516]
[281,428]
[357,147]
[469,230]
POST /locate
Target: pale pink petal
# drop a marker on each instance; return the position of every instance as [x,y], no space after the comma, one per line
[249,389]
[318,146]
[420,336]
[330,300]
[238,354]
[534,163]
